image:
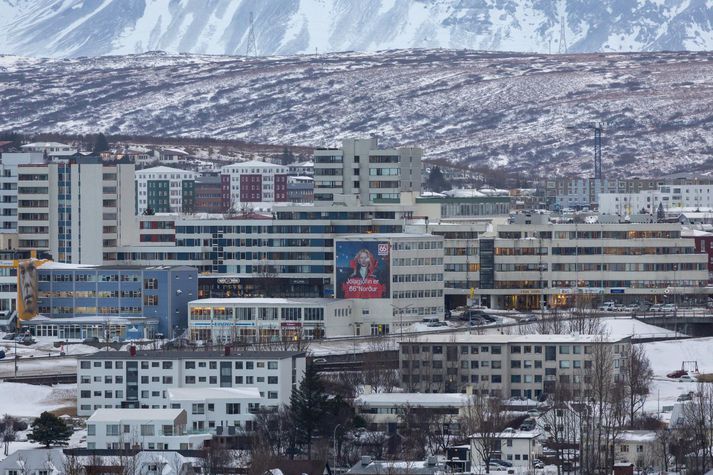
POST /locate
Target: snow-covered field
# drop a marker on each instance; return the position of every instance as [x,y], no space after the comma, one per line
[462,106]
[668,356]
[27,400]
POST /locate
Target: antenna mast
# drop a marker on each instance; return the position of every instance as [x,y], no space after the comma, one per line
[251,49]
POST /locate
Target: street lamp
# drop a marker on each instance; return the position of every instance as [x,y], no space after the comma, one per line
[401,316]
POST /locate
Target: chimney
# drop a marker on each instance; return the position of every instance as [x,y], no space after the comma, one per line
[132,350]
[226,350]
[365,460]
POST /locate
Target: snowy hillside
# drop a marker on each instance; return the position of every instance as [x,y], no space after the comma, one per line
[60,28]
[502,109]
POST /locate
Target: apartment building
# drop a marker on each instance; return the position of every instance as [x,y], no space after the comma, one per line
[384,411]
[151,293]
[360,172]
[669,196]
[210,194]
[256,184]
[120,379]
[50,149]
[161,189]
[505,365]
[9,161]
[219,411]
[79,210]
[137,429]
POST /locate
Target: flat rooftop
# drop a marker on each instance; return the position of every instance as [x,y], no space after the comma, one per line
[195,394]
[517,339]
[413,399]
[261,301]
[115,415]
[190,354]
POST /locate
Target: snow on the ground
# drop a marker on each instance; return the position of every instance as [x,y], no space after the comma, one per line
[78,439]
[668,356]
[27,400]
[627,326]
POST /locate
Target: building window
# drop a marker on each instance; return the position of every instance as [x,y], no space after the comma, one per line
[147,429]
[112,430]
[232,408]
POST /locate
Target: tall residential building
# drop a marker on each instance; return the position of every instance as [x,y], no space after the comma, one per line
[691,196]
[79,210]
[163,190]
[9,162]
[253,183]
[360,172]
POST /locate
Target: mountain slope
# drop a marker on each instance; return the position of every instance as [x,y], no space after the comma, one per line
[70,28]
[501,109]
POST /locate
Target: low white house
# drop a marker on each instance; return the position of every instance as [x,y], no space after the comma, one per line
[152,429]
[637,447]
[222,411]
[516,446]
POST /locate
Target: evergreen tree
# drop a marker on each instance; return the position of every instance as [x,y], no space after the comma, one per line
[660,213]
[49,429]
[308,404]
[287,156]
[436,181]
[100,144]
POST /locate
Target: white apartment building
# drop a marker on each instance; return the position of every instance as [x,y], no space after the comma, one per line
[384,411]
[517,447]
[505,365]
[161,189]
[9,162]
[691,196]
[256,184]
[219,411]
[360,172]
[301,168]
[140,429]
[79,210]
[116,379]
[52,149]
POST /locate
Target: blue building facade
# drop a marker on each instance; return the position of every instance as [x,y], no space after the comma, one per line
[156,292]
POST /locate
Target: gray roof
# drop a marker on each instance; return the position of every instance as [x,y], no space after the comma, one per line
[190,354]
[34,459]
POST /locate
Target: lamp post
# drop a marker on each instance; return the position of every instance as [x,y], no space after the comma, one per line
[334,439]
[401,317]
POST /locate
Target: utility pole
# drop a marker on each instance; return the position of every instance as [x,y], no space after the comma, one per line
[251,49]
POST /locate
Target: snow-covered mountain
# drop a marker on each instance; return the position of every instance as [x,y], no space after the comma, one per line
[501,109]
[70,28]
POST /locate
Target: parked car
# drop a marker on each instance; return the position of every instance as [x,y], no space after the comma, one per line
[528,424]
[686,378]
[25,340]
[436,324]
[529,318]
[669,308]
[2,354]
[537,463]
[533,413]
[9,336]
[685,397]
[676,374]
[92,340]
[501,463]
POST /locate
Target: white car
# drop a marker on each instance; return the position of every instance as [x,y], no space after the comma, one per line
[686,379]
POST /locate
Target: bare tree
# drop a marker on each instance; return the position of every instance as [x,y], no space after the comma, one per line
[561,423]
[72,465]
[7,432]
[484,419]
[216,460]
[636,376]
[697,424]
